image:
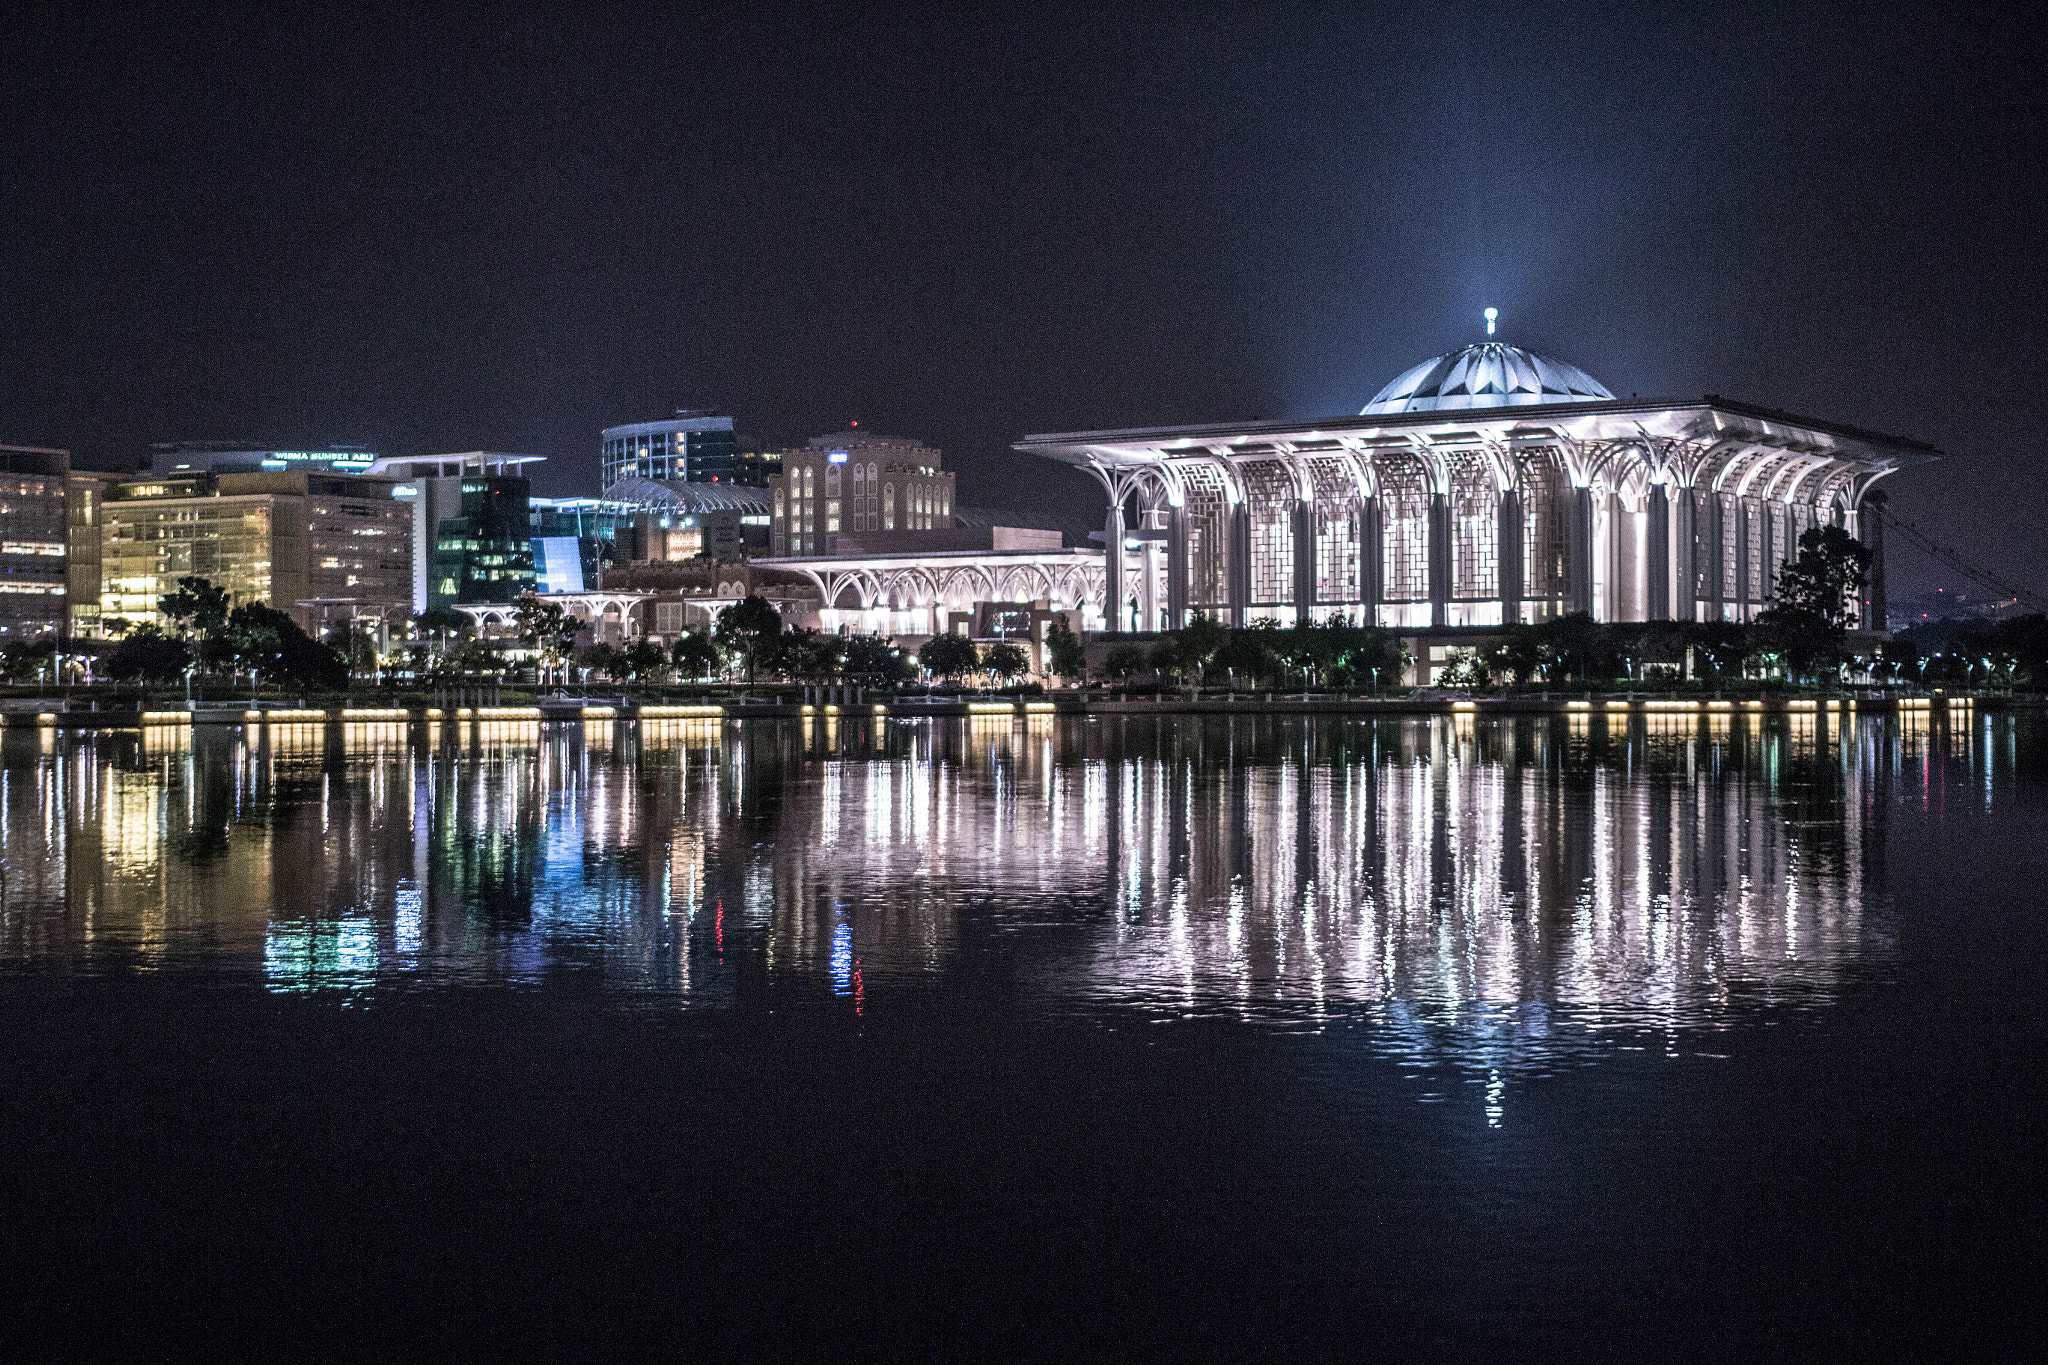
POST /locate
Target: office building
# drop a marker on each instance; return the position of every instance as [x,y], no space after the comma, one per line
[34,516]
[866,487]
[319,547]
[242,457]
[691,447]
[471,527]
[84,547]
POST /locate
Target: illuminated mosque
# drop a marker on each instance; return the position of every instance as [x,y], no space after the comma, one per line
[1481,488]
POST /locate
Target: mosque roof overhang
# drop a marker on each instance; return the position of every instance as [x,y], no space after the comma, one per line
[1711,419]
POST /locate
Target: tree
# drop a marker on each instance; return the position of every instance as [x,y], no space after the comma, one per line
[639,659]
[1006,660]
[21,660]
[1247,656]
[2022,643]
[197,607]
[873,659]
[745,624]
[443,621]
[1574,648]
[551,628]
[1719,647]
[1519,655]
[1124,660]
[803,653]
[1814,604]
[1191,648]
[270,644]
[146,654]
[949,656]
[1064,652]
[695,656]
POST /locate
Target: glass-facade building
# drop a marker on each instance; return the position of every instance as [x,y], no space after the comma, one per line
[484,553]
[33,516]
[297,542]
[691,447]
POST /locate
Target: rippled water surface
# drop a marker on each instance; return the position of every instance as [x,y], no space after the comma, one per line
[1705,1034]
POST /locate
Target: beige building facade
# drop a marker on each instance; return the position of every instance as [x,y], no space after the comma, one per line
[857,485]
[320,547]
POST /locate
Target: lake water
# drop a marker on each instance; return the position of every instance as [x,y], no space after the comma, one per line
[1171,1036]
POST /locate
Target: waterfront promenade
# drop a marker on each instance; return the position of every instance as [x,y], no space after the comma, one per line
[848,703]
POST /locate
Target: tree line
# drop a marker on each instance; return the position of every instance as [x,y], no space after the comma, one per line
[208,635]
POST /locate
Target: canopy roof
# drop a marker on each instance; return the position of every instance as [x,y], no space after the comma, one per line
[1491,374]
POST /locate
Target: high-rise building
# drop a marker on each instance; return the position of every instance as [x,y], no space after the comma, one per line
[691,447]
[471,525]
[34,511]
[858,484]
[308,544]
[84,547]
[242,457]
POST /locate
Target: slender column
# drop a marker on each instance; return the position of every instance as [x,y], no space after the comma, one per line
[1628,562]
[1238,566]
[1439,559]
[1743,586]
[1148,582]
[1657,554]
[1369,561]
[1579,550]
[1870,530]
[1685,546]
[1509,557]
[1304,560]
[1711,591]
[1176,568]
[1113,568]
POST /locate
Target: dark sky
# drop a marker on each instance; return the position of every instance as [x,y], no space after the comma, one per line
[506,232]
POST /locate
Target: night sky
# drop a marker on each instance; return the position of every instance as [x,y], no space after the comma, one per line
[506,232]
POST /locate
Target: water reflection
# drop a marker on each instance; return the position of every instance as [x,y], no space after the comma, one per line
[1492,894]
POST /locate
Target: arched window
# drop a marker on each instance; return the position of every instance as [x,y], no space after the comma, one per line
[888,507]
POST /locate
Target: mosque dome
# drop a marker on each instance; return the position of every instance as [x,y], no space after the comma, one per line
[1491,374]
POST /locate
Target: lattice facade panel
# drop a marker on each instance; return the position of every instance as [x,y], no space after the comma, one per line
[1475,530]
[1731,525]
[1206,513]
[1546,524]
[1404,530]
[1337,548]
[1269,508]
[1753,546]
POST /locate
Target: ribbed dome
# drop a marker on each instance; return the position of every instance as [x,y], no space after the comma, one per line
[1491,374]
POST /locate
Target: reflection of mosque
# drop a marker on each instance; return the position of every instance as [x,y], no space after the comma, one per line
[1463,886]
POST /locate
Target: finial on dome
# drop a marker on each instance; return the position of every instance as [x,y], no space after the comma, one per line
[1491,315]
